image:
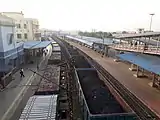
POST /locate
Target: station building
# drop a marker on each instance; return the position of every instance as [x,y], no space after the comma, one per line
[11,53]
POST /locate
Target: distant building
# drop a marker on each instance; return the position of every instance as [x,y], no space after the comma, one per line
[26,28]
[33,29]
[141,30]
[11,53]
[46,32]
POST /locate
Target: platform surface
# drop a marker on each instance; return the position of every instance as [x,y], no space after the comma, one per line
[138,86]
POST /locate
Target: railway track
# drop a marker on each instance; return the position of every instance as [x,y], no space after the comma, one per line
[142,111]
[70,87]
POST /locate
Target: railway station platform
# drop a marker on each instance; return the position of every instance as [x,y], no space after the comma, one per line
[138,86]
[14,96]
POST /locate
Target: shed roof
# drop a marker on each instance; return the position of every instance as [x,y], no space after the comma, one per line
[40,107]
[148,62]
[36,44]
[80,40]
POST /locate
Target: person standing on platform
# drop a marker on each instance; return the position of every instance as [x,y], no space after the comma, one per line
[37,67]
[22,73]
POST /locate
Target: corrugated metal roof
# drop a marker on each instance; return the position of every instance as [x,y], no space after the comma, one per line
[148,62]
[90,40]
[40,108]
[36,44]
[29,44]
[57,48]
[42,44]
[81,40]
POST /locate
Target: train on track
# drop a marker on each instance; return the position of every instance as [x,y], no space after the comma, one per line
[97,100]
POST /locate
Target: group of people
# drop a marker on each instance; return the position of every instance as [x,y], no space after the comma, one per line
[135,44]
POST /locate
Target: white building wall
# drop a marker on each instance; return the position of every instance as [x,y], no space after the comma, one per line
[10,52]
[20,29]
[19,20]
[6,32]
[30,30]
[33,26]
[7,27]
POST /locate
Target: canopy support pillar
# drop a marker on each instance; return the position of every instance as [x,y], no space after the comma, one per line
[106,50]
[153,80]
[132,68]
[142,72]
[137,72]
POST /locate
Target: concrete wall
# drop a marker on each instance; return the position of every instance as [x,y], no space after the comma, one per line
[1,43]
[11,60]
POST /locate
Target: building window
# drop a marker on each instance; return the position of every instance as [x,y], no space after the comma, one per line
[10,38]
[18,25]
[25,36]
[25,26]
[19,36]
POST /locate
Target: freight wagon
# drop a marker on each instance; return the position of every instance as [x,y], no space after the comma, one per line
[51,84]
[97,100]
[40,107]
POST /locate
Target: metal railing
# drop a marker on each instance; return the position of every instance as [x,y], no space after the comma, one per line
[137,48]
[142,110]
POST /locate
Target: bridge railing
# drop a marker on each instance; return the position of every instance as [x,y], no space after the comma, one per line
[137,48]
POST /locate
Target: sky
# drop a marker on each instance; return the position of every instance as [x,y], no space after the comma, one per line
[85,15]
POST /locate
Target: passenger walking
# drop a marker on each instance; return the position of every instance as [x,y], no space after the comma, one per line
[22,73]
[37,67]
[45,52]
[136,43]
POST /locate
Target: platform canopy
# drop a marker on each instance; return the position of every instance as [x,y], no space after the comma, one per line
[147,62]
[36,44]
[80,40]
[139,35]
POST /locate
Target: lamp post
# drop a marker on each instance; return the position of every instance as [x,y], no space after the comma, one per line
[102,35]
[151,20]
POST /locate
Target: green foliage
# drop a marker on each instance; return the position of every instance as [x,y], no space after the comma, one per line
[99,34]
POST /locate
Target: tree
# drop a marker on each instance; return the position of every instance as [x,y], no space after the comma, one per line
[98,34]
[124,32]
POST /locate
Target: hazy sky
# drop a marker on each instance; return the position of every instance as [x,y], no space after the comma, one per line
[108,15]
